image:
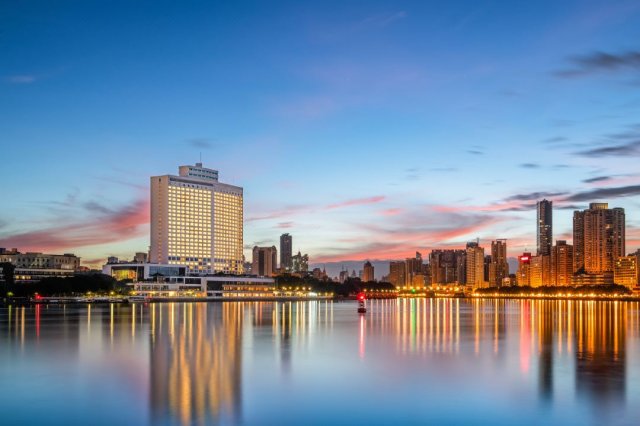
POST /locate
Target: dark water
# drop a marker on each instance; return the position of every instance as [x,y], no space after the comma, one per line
[441,361]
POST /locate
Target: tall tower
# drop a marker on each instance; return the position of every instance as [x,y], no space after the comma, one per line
[499,267]
[598,238]
[561,263]
[196,221]
[475,265]
[545,227]
[286,252]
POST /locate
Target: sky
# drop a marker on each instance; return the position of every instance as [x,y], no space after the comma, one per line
[366,129]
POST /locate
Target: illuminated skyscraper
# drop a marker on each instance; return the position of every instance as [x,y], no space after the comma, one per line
[598,238]
[545,227]
[196,221]
[286,252]
[475,265]
[561,263]
[523,276]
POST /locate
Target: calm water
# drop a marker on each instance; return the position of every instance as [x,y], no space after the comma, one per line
[406,361]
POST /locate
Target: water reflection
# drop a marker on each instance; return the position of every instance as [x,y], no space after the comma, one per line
[226,363]
[196,362]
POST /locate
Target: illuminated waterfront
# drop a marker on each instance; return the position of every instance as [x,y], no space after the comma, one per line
[409,360]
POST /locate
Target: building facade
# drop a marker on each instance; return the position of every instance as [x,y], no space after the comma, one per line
[447,266]
[368,272]
[598,238]
[540,270]
[561,263]
[265,261]
[626,272]
[31,266]
[197,221]
[286,252]
[398,273]
[475,265]
[498,267]
[544,230]
[300,263]
[523,276]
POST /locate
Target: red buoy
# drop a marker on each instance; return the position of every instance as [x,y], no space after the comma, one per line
[361,306]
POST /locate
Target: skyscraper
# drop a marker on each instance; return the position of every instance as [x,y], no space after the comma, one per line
[475,265]
[398,273]
[286,252]
[499,267]
[598,238]
[196,221]
[264,261]
[545,227]
[561,263]
[367,272]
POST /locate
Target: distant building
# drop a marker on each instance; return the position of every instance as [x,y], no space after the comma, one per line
[475,265]
[413,268]
[368,272]
[598,239]
[140,257]
[523,275]
[561,263]
[286,252]
[540,270]
[544,227]
[626,271]
[398,273]
[197,221]
[300,263]
[447,266]
[265,260]
[499,267]
[136,271]
[32,266]
[344,276]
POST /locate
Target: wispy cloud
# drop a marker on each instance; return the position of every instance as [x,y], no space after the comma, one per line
[618,150]
[103,226]
[603,193]
[356,202]
[596,62]
[21,79]
[530,166]
[202,143]
[596,179]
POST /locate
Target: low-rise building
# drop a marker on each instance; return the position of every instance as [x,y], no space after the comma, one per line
[32,266]
[626,271]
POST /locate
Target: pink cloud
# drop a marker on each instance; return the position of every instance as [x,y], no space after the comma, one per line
[391,212]
[104,226]
[356,202]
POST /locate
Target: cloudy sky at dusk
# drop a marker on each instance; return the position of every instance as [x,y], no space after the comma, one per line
[365,129]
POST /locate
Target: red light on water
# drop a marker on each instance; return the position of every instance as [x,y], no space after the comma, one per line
[361,296]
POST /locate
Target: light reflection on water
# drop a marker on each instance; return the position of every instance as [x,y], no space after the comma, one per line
[408,360]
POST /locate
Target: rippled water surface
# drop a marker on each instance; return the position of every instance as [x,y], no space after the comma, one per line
[437,361]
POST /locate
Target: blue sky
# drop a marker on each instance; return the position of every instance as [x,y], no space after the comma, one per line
[365,129]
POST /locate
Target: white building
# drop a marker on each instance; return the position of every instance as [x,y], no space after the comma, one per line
[196,221]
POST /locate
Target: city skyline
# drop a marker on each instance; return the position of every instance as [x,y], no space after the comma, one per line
[455,147]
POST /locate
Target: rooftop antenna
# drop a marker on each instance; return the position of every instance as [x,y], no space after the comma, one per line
[201,156]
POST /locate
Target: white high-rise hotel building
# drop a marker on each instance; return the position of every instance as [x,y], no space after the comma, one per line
[197,221]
